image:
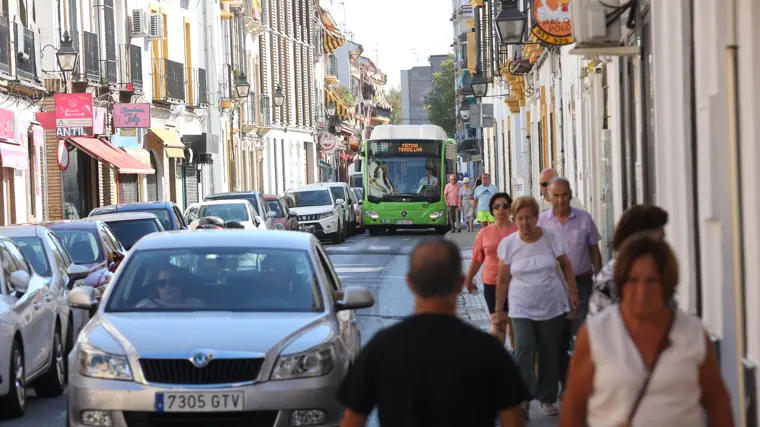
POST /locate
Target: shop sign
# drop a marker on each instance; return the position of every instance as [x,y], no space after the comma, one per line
[6,124]
[131,115]
[67,132]
[73,110]
[130,132]
[63,155]
[554,24]
[327,142]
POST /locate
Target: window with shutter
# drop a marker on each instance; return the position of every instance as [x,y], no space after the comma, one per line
[311,91]
[109,70]
[299,104]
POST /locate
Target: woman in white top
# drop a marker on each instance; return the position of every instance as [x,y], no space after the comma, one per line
[538,301]
[641,362]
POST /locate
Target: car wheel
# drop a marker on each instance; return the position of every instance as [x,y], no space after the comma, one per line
[373,231]
[53,381]
[12,405]
[335,238]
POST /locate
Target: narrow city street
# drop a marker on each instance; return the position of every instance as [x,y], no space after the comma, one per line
[378,263]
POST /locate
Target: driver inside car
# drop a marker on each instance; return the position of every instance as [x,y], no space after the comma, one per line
[169,292]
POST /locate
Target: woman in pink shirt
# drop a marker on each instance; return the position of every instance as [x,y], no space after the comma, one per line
[484,251]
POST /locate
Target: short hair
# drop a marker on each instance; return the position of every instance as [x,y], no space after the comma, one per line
[429,168]
[638,218]
[523,202]
[559,180]
[644,244]
[501,195]
[435,268]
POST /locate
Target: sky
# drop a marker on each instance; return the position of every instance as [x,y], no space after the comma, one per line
[404,32]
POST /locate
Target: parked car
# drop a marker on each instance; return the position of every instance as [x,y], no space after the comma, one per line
[129,227]
[256,198]
[359,192]
[289,333]
[92,244]
[35,330]
[284,218]
[168,213]
[319,212]
[342,191]
[230,210]
[358,209]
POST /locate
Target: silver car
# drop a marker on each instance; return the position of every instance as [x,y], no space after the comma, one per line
[225,327]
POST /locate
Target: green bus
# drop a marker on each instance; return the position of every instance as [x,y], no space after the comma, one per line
[407,167]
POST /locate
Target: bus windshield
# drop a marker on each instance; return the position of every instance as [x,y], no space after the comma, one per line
[403,171]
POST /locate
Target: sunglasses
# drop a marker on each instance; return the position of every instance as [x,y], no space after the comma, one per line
[544,184]
[165,283]
[501,206]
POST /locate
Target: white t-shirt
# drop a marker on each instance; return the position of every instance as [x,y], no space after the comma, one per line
[536,291]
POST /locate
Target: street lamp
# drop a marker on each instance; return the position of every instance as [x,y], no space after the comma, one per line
[331,109]
[464,111]
[66,54]
[242,87]
[278,97]
[479,86]
[510,22]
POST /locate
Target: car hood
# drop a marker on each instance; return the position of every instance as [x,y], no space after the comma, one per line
[161,332]
[310,210]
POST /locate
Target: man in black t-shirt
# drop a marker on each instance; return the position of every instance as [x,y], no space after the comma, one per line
[432,369]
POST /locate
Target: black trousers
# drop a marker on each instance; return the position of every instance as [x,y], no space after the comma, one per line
[489,291]
[585,283]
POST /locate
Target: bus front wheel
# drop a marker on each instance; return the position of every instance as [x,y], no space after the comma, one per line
[373,231]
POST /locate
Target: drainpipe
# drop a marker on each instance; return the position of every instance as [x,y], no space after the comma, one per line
[734,140]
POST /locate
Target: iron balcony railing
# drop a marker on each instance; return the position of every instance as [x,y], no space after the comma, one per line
[168,81]
[331,66]
[91,53]
[250,110]
[5,45]
[26,63]
[202,93]
[197,95]
[265,118]
[76,42]
[136,66]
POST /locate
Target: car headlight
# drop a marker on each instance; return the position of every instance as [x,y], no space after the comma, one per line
[326,215]
[312,363]
[279,227]
[371,214]
[96,363]
[436,215]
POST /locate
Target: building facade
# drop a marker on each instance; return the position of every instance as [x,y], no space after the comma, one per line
[415,84]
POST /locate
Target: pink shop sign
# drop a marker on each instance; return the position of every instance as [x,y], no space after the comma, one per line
[6,124]
[131,115]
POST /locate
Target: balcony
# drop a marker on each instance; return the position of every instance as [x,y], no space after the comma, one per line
[265,118]
[91,54]
[252,18]
[5,46]
[197,95]
[130,71]
[136,67]
[331,70]
[249,108]
[168,81]
[26,67]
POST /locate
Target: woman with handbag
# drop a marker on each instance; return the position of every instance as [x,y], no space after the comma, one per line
[536,278]
[643,362]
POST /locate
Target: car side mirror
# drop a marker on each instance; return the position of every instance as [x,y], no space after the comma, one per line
[361,202]
[355,297]
[82,297]
[77,272]
[20,281]
[271,214]
[340,201]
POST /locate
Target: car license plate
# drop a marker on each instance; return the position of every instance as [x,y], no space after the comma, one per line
[403,221]
[200,401]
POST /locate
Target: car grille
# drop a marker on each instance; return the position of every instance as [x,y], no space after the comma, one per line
[218,371]
[312,217]
[215,419]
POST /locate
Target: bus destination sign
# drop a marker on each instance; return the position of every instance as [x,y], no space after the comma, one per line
[409,148]
[425,148]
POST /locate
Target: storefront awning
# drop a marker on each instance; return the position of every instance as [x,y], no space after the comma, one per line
[109,153]
[331,38]
[168,138]
[140,154]
[14,156]
[341,110]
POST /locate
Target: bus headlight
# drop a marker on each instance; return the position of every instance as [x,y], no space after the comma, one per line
[371,214]
[435,216]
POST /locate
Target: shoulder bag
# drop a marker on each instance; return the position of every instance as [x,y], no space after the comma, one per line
[664,343]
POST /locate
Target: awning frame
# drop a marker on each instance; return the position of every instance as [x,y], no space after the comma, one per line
[117,152]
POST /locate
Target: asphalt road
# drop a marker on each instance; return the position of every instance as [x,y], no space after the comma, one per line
[378,263]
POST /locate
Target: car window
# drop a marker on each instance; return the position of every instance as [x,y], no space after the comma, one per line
[57,255]
[312,198]
[162,214]
[108,234]
[130,231]
[110,243]
[179,217]
[253,213]
[34,250]
[82,245]
[192,213]
[275,207]
[329,272]
[227,212]
[9,266]
[239,279]
[338,193]
[59,247]
[18,257]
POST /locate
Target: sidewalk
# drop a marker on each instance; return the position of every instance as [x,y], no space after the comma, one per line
[472,308]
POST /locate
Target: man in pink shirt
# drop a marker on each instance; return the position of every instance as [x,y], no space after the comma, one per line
[451,195]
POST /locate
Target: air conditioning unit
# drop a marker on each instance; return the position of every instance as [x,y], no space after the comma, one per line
[140,24]
[592,35]
[156,27]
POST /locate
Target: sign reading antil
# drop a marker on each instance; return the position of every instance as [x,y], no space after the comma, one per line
[554,24]
[409,148]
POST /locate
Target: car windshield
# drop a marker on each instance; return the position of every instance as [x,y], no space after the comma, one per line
[304,199]
[274,206]
[227,212]
[33,250]
[250,198]
[83,245]
[240,279]
[130,231]
[401,171]
[162,215]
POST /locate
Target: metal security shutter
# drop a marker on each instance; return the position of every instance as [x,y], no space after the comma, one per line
[128,189]
[152,185]
[190,184]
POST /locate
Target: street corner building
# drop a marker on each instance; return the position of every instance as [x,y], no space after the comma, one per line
[654,103]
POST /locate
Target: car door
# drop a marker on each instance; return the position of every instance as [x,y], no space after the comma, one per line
[349,329]
[36,332]
[265,211]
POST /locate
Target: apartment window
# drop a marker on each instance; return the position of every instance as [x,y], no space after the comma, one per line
[109,72]
[22,13]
